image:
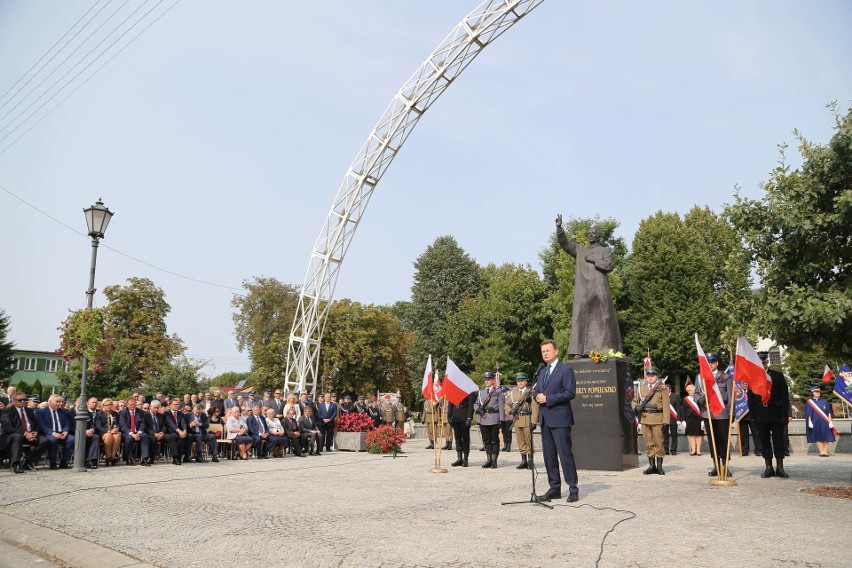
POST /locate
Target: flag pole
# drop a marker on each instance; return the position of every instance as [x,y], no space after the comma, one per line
[713,451]
[438,468]
[730,421]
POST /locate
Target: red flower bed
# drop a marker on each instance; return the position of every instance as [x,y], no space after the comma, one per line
[385,439]
[354,422]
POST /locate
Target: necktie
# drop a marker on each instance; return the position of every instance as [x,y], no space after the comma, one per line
[175,417]
[23,420]
[154,422]
[546,375]
[197,427]
[132,421]
[55,422]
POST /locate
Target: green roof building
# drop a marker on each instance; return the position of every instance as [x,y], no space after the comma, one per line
[31,365]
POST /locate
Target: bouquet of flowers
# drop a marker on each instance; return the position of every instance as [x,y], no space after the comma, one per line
[385,440]
[354,422]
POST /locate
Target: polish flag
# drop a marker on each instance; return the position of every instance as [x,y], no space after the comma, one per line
[457,385]
[711,389]
[827,375]
[428,388]
[750,370]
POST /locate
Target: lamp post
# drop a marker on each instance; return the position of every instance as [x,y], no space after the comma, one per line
[97,219]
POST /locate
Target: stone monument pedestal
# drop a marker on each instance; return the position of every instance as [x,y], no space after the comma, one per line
[602,437]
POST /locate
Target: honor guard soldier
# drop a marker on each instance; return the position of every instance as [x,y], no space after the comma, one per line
[720,423]
[771,419]
[506,423]
[435,420]
[460,416]
[490,407]
[347,407]
[519,407]
[361,406]
[653,410]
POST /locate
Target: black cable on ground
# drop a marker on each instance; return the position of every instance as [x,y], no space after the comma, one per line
[611,530]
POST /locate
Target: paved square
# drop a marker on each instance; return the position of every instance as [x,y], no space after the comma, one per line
[358,509]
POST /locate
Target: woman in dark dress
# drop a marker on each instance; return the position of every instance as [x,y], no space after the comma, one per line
[692,416]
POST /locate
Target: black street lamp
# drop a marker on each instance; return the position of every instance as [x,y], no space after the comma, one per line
[97,219]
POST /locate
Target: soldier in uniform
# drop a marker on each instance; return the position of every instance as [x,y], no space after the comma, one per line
[460,416]
[490,406]
[347,407]
[720,423]
[771,419]
[387,410]
[360,406]
[431,410]
[374,412]
[653,409]
[519,406]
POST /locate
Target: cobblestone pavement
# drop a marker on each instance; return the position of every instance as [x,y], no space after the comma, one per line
[358,509]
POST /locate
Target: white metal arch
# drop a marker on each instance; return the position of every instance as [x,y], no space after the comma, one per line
[475,31]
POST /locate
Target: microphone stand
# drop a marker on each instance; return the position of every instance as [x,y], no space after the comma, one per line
[533,472]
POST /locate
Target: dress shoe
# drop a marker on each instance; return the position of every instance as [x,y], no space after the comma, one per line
[145,462]
[573,497]
[129,462]
[713,473]
[29,465]
[674,452]
[54,467]
[64,466]
[175,461]
[215,459]
[549,495]
[430,446]
[18,468]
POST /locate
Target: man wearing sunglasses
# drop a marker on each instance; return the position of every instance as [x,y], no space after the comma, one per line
[19,428]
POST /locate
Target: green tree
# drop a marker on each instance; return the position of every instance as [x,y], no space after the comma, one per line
[559,270]
[180,377]
[804,368]
[364,349]
[684,276]
[113,379]
[6,346]
[229,379]
[505,323]
[137,323]
[444,275]
[262,322]
[798,235]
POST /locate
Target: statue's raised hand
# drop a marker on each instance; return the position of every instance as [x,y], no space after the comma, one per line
[559,221]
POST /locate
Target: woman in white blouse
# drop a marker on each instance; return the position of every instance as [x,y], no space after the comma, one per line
[238,431]
[292,404]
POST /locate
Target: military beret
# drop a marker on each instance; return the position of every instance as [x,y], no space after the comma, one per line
[488,375]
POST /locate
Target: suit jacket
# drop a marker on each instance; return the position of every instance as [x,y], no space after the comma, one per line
[277,404]
[559,388]
[154,423]
[172,425]
[289,428]
[203,419]
[463,411]
[323,413]
[307,424]
[253,428]
[10,421]
[124,421]
[102,421]
[777,410]
[44,418]
[228,403]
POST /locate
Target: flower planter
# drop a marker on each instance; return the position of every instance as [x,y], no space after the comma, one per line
[351,441]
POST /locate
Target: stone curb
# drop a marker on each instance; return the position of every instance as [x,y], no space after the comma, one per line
[71,551]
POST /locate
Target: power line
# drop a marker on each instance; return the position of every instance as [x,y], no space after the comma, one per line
[37,122]
[54,55]
[74,66]
[70,228]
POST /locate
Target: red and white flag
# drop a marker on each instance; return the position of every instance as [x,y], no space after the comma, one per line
[711,389]
[750,370]
[827,375]
[457,385]
[428,388]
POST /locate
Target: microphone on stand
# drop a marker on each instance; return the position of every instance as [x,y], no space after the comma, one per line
[537,371]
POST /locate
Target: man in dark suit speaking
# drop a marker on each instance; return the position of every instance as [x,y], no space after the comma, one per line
[555,387]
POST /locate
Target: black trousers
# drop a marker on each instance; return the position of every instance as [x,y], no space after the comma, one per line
[747,427]
[326,435]
[490,438]
[720,437]
[670,436]
[507,427]
[772,439]
[15,442]
[461,432]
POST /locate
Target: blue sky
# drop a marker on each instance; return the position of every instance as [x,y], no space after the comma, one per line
[221,135]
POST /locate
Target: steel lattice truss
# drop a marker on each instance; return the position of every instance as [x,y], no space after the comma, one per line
[476,30]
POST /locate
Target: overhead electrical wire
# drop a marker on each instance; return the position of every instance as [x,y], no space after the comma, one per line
[86,80]
[167,271]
